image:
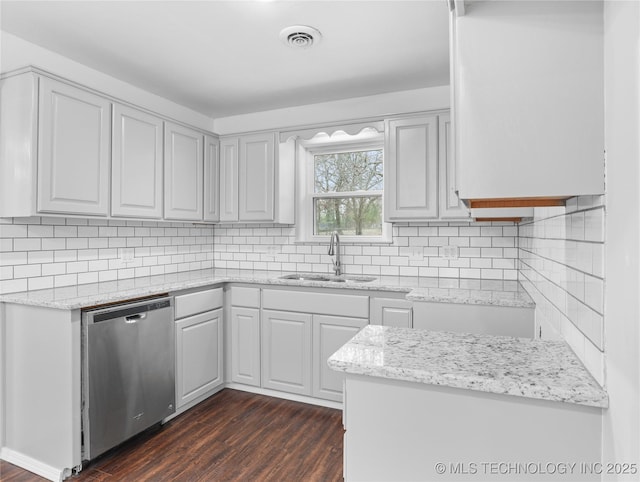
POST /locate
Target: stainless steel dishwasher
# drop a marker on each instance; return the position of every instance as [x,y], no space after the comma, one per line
[128,372]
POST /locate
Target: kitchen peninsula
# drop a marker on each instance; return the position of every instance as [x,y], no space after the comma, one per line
[425,405]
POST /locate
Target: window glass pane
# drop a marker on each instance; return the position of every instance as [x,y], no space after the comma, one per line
[348,171]
[350,216]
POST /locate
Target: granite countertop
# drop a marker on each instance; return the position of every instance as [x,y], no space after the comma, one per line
[446,290]
[540,369]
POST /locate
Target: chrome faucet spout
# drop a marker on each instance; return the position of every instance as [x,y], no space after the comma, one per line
[334,249]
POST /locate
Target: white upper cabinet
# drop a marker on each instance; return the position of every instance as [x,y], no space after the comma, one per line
[450,205]
[528,104]
[73,150]
[256,177]
[411,168]
[183,173]
[211,178]
[136,164]
[229,179]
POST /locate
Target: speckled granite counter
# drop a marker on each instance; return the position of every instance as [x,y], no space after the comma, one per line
[464,291]
[546,370]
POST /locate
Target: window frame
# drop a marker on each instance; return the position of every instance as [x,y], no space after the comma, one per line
[307,194]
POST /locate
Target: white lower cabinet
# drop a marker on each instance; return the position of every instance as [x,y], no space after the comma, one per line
[482,319]
[301,330]
[286,351]
[198,356]
[392,312]
[329,334]
[245,345]
[199,343]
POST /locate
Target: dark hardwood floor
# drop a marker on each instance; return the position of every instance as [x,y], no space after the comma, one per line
[231,436]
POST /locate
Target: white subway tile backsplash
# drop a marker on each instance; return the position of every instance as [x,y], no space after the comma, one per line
[52,252]
[480,263]
[77,243]
[54,243]
[65,280]
[13,231]
[90,277]
[40,283]
[65,231]
[561,264]
[27,244]
[438,241]
[77,222]
[6,245]
[27,271]
[86,251]
[6,272]
[54,221]
[13,285]
[231,243]
[479,242]
[14,258]
[39,231]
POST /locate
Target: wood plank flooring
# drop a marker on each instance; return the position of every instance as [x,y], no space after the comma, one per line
[232,436]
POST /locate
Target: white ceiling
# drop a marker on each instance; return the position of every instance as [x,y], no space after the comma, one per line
[224,57]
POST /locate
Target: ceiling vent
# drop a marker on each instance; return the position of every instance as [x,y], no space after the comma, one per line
[300,36]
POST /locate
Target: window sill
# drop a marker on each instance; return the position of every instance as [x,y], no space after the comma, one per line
[345,240]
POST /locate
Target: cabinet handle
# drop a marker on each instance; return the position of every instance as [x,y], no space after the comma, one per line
[135,318]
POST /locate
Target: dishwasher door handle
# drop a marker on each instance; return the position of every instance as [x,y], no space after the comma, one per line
[135,318]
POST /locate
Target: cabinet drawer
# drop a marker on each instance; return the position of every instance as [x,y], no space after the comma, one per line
[199,302]
[243,296]
[356,306]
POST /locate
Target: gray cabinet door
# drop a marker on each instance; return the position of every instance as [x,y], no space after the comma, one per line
[136,164]
[329,334]
[73,150]
[198,355]
[245,345]
[257,177]
[286,351]
[183,172]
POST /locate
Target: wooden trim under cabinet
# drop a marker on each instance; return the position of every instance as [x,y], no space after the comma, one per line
[515,202]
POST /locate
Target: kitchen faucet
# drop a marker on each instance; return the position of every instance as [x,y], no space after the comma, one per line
[334,248]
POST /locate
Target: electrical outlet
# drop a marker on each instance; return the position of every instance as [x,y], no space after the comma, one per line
[127,255]
[269,252]
[416,253]
[450,252]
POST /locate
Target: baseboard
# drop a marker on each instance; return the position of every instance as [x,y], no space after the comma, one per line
[287,396]
[32,465]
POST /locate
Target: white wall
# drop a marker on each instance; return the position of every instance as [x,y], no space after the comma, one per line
[16,53]
[621,439]
[431,98]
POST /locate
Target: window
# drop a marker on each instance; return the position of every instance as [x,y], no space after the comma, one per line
[341,183]
[348,193]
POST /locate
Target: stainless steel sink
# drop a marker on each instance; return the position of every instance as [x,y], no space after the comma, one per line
[328,278]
